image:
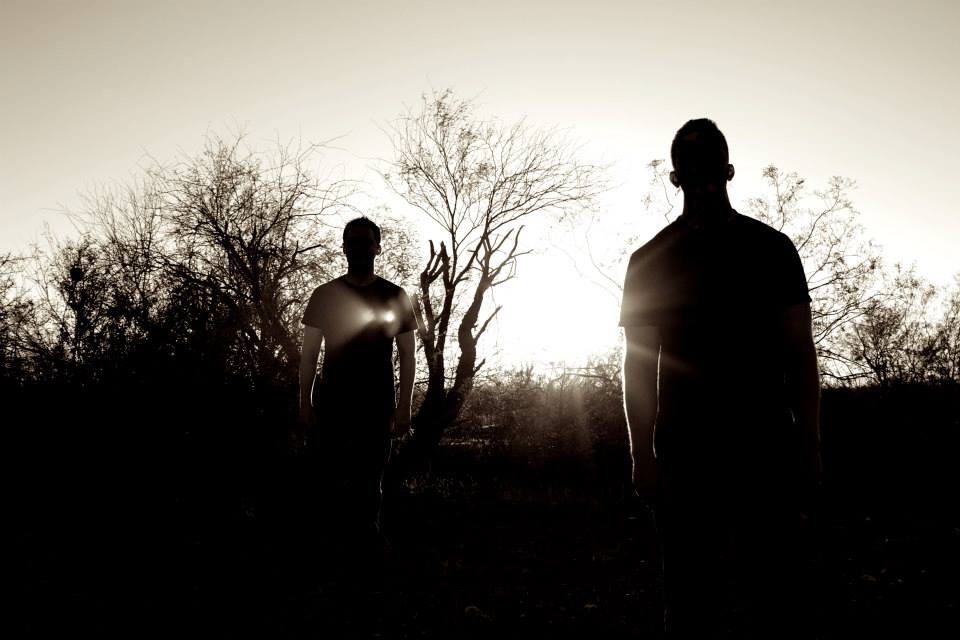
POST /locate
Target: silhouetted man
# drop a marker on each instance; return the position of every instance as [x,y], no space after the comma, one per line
[355,318]
[721,391]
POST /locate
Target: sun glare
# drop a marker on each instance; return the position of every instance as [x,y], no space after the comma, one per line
[551,325]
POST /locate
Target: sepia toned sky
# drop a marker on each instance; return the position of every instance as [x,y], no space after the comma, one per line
[90,91]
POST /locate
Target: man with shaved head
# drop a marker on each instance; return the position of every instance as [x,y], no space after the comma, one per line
[721,393]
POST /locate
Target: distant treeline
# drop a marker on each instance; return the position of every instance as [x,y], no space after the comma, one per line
[178,303]
[169,455]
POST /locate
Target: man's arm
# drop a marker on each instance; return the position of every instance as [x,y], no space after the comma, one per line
[309,353]
[407,351]
[803,387]
[640,362]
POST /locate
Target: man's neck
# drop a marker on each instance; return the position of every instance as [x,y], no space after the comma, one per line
[360,278]
[707,211]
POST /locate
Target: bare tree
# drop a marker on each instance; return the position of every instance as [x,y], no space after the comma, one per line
[74,294]
[479,181]
[945,367]
[249,230]
[216,252]
[127,221]
[597,261]
[842,265]
[661,195]
[16,310]
[894,337]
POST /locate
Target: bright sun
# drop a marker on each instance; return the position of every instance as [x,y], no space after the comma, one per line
[552,315]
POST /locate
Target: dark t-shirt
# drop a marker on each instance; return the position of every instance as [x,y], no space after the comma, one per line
[359,325]
[717,296]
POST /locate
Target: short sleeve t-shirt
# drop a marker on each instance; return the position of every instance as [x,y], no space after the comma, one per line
[359,324]
[717,296]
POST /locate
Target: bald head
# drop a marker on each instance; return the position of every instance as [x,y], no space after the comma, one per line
[700,156]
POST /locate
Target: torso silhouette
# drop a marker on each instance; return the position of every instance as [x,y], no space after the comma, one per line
[359,324]
[717,295]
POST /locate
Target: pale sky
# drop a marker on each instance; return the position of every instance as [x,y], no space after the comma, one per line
[868,90]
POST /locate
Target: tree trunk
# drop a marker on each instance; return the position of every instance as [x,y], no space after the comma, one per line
[441,407]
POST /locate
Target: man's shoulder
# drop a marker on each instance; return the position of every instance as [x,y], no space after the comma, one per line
[760,231]
[657,245]
[380,289]
[328,287]
[339,287]
[388,286]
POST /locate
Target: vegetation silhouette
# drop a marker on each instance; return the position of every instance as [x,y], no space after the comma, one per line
[479,181]
[148,373]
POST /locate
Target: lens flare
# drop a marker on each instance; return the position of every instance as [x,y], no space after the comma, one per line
[389,316]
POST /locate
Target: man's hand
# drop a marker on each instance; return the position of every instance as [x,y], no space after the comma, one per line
[400,424]
[645,477]
[297,436]
[811,479]
[640,370]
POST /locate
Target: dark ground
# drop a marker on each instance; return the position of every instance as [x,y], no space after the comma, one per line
[462,568]
[485,547]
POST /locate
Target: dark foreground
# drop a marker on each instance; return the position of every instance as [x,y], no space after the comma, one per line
[522,528]
[524,560]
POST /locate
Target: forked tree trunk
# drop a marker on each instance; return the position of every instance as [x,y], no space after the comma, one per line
[441,407]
